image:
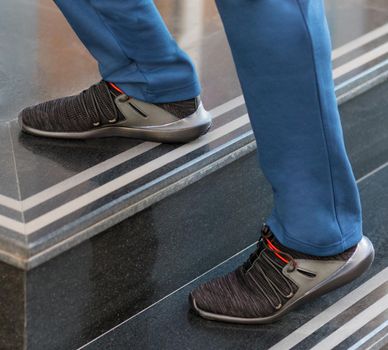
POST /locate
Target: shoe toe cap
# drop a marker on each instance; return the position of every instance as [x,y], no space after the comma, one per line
[36,118]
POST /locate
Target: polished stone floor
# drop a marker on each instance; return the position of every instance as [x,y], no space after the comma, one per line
[68,274]
[119,274]
[43,50]
[54,194]
[168,323]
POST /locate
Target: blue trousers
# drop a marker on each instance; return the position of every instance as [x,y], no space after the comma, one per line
[282,53]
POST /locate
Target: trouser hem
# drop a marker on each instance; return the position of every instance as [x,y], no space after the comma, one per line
[347,241]
[162,96]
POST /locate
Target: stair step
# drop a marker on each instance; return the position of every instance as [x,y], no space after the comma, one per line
[94,233]
[169,323]
[55,194]
[111,277]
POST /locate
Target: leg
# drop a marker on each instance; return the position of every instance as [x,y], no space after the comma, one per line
[313,243]
[133,48]
[283,56]
[149,90]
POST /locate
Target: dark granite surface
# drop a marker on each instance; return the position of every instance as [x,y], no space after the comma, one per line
[365,124]
[366,134]
[170,324]
[50,57]
[49,61]
[91,288]
[101,282]
[347,316]
[12,303]
[43,162]
[381,40]
[58,64]
[8,178]
[365,331]
[11,213]
[83,292]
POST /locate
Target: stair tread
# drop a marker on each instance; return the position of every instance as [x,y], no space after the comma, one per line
[54,194]
[170,325]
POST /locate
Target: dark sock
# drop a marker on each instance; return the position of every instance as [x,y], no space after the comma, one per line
[180,109]
[298,255]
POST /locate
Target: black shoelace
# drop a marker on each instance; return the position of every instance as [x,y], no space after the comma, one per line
[268,253]
[92,104]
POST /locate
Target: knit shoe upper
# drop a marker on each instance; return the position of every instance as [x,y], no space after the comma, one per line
[104,110]
[270,280]
[91,108]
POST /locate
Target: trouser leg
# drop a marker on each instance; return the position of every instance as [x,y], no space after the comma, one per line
[133,48]
[282,52]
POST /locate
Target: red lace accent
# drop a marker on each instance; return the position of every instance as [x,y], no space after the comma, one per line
[276,251]
[116,88]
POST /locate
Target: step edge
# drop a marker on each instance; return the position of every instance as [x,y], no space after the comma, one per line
[24,258]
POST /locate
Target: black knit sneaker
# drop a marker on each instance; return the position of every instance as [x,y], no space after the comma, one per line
[104,110]
[276,279]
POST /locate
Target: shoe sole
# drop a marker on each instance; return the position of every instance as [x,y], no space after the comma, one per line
[181,131]
[358,263]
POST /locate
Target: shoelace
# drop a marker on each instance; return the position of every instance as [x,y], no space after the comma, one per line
[263,246]
[94,112]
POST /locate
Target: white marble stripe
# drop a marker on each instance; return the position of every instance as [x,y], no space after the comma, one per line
[75,180]
[108,164]
[360,61]
[376,345]
[12,224]
[227,106]
[10,203]
[112,162]
[331,312]
[17,226]
[88,174]
[360,41]
[381,167]
[132,176]
[375,68]
[37,223]
[101,191]
[216,112]
[353,325]
[370,335]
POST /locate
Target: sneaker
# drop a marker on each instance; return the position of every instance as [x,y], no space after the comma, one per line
[104,110]
[275,280]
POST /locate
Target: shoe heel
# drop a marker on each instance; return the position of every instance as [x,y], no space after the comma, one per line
[359,263]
